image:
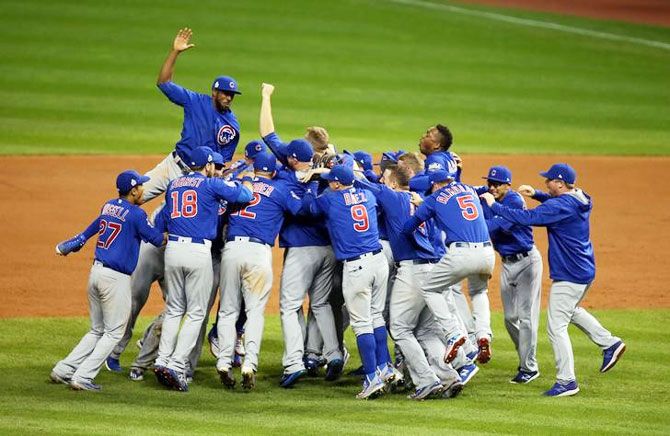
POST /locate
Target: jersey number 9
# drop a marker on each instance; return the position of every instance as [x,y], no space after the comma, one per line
[360,216]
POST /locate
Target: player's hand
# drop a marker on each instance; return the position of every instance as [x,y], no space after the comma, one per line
[526,190]
[488,198]
[458,160]
[182,40]
[416,199]
[311,172]
[267,90]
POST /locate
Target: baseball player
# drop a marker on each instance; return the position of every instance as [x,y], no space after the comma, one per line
[351,217]
[208,119]
[190,216]
[120,227]
[246,272]
[435,144]
[309,261]
[470,255]
[565,211]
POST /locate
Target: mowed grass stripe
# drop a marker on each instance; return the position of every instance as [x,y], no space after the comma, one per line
[628,400]
[376,74]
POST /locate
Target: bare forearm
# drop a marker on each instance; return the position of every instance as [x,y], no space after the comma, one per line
[167,70]
[267,124]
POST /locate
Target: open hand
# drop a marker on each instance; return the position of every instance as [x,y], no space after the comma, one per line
[182,40]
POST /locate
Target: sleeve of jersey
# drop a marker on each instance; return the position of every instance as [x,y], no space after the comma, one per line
[292,202]
[175,93]
[148,233]
[423,213]
[161,220]
[541,196]
[371,176]
[543,215]
[278,148]
[233,192]
[373,187]
[480,189]
[420,182]
[315,206]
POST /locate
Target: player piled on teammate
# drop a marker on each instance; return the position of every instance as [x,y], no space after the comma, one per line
[521,275]
[120,227]
[246,272]
[309,261]
[208,119]
[565,212]
[190,216]
[351,217]
[414,255]
[435,144]
[470,255]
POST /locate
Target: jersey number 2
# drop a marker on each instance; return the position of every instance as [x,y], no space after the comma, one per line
[468,207]
[104,225]
[187,207]
[360,216]
[244,212]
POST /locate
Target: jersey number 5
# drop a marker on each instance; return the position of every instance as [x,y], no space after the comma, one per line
[187,207]
[104,225]
[468,207]
[360,216]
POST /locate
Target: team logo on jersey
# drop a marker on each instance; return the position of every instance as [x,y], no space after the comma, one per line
[435,166]
[226,134]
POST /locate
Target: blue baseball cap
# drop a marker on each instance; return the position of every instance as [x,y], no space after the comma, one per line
[265,162]
[253,148]
[438,176]
[128,179]
[201,156]
[499,174]
[561,171]
[300,149]
[340,173]
[392,156]
[364,159]
[226,83]
[217,158]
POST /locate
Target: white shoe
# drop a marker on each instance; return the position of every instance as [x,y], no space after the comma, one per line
[239,346]
[372,388]
[391,376]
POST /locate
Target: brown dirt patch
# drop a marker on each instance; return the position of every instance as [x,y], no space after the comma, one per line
[656,12]
[46,199]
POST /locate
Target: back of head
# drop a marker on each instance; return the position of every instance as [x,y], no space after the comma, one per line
[300,149]
[412,160]
[446,138]
[201,156]
[265,162]
[401,175]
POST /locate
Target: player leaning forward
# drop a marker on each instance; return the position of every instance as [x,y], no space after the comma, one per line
[565,212]
[120,228]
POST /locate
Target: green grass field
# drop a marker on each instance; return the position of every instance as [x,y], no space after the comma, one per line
[78,76]
[631,399]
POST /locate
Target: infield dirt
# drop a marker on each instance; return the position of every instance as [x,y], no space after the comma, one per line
[44,200]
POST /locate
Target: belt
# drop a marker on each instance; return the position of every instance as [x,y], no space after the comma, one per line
[471,244]
[247,239]
[417,261]
[102,264]
[511,258]
[180,162]
[177,238]
[370,253]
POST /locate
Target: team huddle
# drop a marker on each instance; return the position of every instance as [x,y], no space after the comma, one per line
[385,252]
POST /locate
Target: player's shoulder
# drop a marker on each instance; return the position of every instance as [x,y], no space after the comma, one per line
[514,199]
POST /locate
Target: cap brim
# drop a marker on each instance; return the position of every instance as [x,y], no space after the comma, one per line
[328,176]
[545,174]
[143,179]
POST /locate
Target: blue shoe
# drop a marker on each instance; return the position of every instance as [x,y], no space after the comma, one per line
[176,380]
[467,372]
[237,361]
[80,385]
[453,344]
[113,364]
[563,389]
[161,376]
[427,391]
[334,369]
[524,377]
[288,380]
[312,366]
[612,355]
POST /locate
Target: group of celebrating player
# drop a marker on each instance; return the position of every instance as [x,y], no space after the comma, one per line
[384,252]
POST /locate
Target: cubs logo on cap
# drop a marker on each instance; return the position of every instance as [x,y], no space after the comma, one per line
[499,174]
[226,83]
[253,148]
[128,179]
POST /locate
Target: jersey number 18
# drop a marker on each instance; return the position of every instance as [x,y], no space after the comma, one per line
[187,207]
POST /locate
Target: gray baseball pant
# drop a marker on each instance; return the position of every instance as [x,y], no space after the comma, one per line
[150,343]
[430,337]
[364,284]
[160,177]
[564,299]
[109,307]
[464,311]
[521,291]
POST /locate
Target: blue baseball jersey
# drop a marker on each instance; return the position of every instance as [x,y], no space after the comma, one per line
[351,218]
[438,160]
[277,147]
[193,202]
[120,228]
[566,218]
[457,211]
[508,238]
[263,216]
[203,125]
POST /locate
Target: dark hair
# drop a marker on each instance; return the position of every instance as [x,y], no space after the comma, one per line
[446,138]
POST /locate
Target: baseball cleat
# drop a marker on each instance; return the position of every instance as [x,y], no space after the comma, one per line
[288,380]
[426,391]
[524,377]
[612,355]
[226,376]
[177,379]
[136,374]
[213,339]
[81,385]
[467,372]
[312,366]
[161,376]
[112,364]
[453,390]
[484,354]
[55,378]
[239,345]
[453,344]
[248,379]
[565,389]
[334,369]
[391,376]
[372,388]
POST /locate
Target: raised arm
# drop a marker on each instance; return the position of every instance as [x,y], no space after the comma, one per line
[181,43]
[267,124]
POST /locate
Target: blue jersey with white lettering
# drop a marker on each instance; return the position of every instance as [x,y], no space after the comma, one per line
[120,228]
[438,160]
[351,218]
[458,213]
[193,201]
[203,124]
[508,238]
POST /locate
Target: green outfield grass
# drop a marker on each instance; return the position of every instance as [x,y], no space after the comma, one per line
[630,399]
[78,76]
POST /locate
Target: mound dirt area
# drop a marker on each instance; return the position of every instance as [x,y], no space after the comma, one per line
[44,200]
